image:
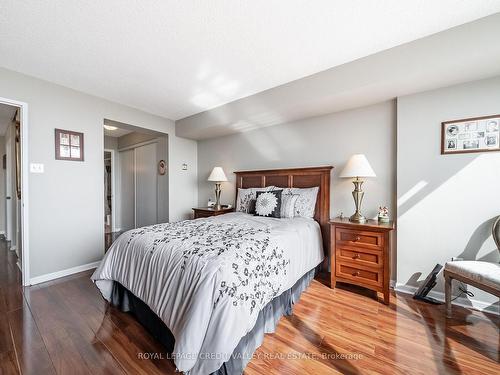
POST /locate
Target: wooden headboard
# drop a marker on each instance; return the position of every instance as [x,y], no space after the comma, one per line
[300,178]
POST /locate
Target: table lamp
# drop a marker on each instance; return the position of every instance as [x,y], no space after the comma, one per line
[357,167]
[217,176]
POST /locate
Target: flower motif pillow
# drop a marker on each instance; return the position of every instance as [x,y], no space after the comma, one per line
[245,196]
[243,199]
[306,202]
[268,203]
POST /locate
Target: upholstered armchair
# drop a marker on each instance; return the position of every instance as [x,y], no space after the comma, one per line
[482,275]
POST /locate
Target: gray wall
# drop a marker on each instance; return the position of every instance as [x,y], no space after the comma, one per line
[324,140]
[446,203]
[66,205]
[110,143]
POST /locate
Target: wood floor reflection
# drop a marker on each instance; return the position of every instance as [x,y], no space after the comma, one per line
[65,327]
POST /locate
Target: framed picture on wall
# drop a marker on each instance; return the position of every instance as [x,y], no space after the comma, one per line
[478,134]
[69,145]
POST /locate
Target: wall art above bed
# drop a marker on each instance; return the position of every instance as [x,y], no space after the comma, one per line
[478,134]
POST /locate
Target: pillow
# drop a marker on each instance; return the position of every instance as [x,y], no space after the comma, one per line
[306,202]
[251,206]
[246,195]
[288,205]
[268,203]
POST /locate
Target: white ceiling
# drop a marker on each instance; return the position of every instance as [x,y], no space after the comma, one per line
[178,58]
[117,132]
[464,53]
[7,113]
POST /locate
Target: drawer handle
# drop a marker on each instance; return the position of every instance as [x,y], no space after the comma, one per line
[356,273]
[355,256]
[357,238]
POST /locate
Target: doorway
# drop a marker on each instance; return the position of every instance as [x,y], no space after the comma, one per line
[109,191]
[13,192]
[133,177]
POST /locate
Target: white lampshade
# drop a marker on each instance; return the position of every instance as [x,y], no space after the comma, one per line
[217,175]
[357,166]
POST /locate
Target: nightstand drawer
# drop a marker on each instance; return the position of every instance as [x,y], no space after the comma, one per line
[373,258]
[361,276]
[370,240]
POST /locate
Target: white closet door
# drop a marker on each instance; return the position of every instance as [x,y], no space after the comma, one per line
[127,187]
[146,193]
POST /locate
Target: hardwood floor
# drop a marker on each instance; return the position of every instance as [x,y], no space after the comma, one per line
[65,327]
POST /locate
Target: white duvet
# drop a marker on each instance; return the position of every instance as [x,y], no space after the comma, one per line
[207,279]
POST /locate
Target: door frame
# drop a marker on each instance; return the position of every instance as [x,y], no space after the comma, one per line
[24,187]
[113,204]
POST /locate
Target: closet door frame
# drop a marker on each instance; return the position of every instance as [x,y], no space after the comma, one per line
[133,148]
[113,183]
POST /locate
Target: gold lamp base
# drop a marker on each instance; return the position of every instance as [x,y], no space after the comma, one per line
[218,190]
[357,218]
[357,194]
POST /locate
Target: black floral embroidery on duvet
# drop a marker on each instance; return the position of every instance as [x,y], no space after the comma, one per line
[257,265]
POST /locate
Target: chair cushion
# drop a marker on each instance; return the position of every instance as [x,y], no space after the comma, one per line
[485,273]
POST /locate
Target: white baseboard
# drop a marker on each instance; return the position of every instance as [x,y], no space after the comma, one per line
[462,301]
[59,274]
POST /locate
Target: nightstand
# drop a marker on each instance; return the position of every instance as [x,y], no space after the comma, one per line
[360,254]
[210,211]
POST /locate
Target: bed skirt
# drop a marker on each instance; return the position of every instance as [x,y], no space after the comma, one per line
[266,322]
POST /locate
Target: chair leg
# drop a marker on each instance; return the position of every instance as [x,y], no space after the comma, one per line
[447,294]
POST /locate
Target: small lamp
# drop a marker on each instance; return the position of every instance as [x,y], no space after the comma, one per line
[217,176]
[357,167]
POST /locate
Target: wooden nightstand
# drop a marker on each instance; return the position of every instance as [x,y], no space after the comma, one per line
[360,254]
[210,211]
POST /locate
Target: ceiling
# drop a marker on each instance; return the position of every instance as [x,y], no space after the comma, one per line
[7,113]
[464,53]
[117,132]
[179,58]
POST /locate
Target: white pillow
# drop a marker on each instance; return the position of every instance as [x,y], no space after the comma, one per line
[306,201]
[246,195]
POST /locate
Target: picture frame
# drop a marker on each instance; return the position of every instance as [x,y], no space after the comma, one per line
[69,145]
[475,134]
[162,167]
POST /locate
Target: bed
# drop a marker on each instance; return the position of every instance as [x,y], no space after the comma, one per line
[209,289]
